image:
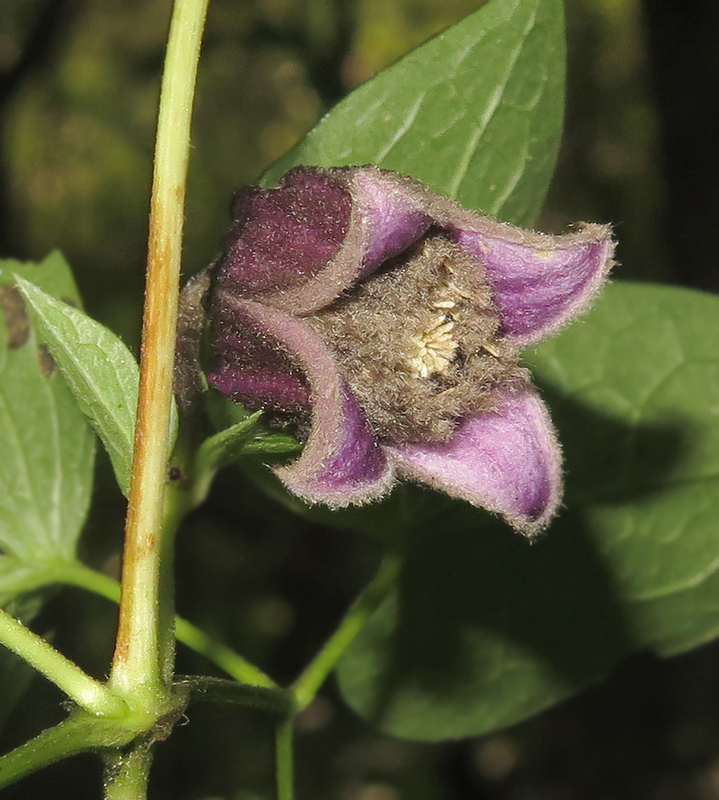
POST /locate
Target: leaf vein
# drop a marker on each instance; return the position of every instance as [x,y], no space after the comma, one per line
[492,106]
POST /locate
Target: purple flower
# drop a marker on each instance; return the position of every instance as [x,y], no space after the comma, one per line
[384,322]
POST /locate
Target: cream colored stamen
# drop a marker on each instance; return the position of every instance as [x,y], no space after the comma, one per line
[435,348]
[452,287]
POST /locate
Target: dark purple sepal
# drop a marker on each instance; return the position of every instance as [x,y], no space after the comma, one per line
[249,367]
[285,240]
[265,387]
[342,462]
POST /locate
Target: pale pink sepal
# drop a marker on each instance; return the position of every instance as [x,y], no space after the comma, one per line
[540,282]
[508,462]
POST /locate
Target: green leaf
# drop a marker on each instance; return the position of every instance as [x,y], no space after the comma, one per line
[648,370]
[476,112]
[485,629]
[46,463]
[100,370]
[241,433]
[47,449]
[228,445]
[246,437]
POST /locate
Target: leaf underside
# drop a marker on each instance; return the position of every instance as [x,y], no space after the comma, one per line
[99,368]
[46,459]
[47,447]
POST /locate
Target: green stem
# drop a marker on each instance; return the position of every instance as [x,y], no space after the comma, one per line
[140,662]
[284,756]
[279,702]
[88,693]
[127,774]
[196,639]
[224,657]
[176,507]
[315,674]
[75,735]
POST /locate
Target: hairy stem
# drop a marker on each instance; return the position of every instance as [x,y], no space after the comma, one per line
[144,646]
[74,735]
[126,774]
[88,693]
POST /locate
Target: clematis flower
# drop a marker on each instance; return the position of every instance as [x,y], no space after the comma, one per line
[385,322]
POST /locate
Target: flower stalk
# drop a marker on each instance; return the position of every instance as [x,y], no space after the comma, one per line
[75,735]
[284,757]
[310,681]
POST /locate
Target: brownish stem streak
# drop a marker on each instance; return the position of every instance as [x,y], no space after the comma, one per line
[143,525]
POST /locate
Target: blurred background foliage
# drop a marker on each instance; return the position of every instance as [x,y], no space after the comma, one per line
[78,94]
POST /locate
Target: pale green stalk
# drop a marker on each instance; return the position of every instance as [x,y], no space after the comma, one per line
[309,683]
[75,735]
[144,646]
[284,759]
[88,693]
[126,774]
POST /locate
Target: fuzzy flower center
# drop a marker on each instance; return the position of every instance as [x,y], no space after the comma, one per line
[420,343]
